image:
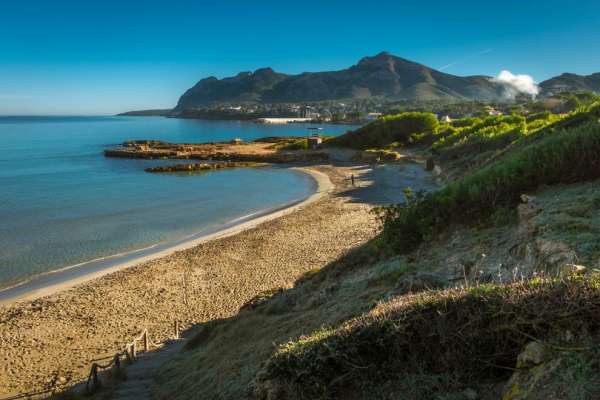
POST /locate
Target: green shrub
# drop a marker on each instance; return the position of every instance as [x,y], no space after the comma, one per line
[389,129]
[475,334]
[298,144]
[565,157]
[465,122]
[537,116]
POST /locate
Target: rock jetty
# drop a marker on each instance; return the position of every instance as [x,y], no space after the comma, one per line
[202,167]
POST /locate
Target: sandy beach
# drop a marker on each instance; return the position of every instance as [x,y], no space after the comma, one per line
[44,340]
[65,278]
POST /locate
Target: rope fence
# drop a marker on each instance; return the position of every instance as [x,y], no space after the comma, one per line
[93,382]
[129,354]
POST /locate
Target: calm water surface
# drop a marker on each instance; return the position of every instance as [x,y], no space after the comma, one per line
[62,202]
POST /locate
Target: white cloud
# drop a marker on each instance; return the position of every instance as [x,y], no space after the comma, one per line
[516,84]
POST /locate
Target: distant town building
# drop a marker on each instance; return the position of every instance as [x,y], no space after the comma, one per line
[446,119]
[492,111]
[309,112]
[372,116]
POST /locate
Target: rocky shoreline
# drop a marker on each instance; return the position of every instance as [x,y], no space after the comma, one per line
[267,151]
[203,167]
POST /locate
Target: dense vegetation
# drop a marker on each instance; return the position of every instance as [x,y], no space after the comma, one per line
[449,340]
[565,156]
[387,130]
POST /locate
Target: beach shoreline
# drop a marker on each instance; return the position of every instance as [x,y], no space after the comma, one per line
[53,339]
[55,281]
[50,342]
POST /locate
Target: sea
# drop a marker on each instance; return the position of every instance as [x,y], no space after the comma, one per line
[63,203]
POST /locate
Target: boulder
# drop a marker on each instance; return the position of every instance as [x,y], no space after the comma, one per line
[535,367]
[532,355]
[543,373]
[526,211]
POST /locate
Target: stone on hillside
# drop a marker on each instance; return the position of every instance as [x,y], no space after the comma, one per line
[534,354]
[575,269]
[421,281]
[528,209]
[544,374]
[553,253]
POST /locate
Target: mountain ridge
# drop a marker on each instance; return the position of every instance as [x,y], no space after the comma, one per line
[572,83]
[381,76]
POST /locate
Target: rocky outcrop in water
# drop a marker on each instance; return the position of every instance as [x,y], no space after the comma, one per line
[202,167]
[235,151]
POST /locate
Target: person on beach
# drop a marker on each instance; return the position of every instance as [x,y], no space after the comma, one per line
[352,179]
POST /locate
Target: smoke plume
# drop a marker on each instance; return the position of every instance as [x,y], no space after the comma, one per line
[516,84]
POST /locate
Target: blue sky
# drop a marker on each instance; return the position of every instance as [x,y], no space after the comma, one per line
[102,57]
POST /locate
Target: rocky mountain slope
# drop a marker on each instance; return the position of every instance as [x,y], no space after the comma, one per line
[571,83]
[383,76]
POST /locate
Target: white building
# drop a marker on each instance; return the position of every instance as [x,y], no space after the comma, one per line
[373,116]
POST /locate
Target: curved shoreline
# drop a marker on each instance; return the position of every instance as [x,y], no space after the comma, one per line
[55,281]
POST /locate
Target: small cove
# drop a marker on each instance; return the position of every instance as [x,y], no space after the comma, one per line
[63,203]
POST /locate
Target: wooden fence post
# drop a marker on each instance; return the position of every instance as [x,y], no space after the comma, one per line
[133,351]
[146,344]
[128,354]
[176,329]
[94,376]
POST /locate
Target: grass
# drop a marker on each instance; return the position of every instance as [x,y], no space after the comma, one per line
[473,335]
[566,157]
[389,129]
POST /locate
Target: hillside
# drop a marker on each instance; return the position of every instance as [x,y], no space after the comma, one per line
[382,76]
[571,83]
[469,292]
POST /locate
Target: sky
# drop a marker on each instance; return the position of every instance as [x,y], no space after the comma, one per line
[103,57]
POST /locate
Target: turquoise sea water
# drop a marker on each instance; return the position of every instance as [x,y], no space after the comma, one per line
[62,202]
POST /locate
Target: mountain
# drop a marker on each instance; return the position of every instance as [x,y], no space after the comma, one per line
[382,76]
[245,87]
[146,113]
[571,83]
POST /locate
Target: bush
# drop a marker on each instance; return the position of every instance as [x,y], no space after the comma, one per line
[298,144]
[475,334]
[565,157]
[388,129]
